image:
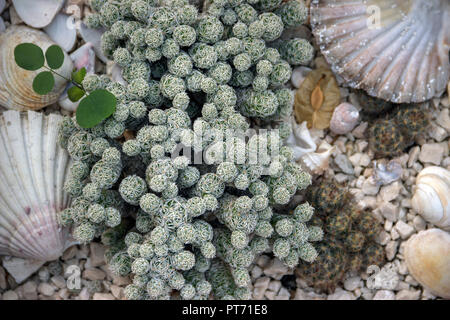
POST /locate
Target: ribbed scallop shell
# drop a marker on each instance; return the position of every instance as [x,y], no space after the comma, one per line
[32,172]
[16,84]
[403,59]
[432,196]
[427,255]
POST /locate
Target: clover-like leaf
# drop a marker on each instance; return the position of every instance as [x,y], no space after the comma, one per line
[43,83]
[78,76]
[74,93]
[29,56]
[95,108]
[54,56]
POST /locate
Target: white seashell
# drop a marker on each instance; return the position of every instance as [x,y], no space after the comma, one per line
[2,25]
[116,74]
[37,13]
[94,36]
[427,255]
[300,140]
[2,5]
[345,118]
[32,172]
[83,57]
[317,162]
[62,32]
[16,84]
[386,174]
[432,196]
[395,50]
[298,76]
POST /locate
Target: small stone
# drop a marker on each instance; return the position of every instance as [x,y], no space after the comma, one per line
[256,272]
[370,187]
[384,295]
[102,296]
[361,145]
[121,281]
[432,153]
[419,223]
[341,295]
[44,274]
[69,253]
[46,289]
[438,133]
[413,156]
[391,250]
[359,131]
[283,294]
[263,261]
[94,274]
[97,254]
[444,119]
[344,164]
[116,291]
[411,280]
[340,177]
[391,191]
[408,295]
[3,283]
[270,295]
[389,211]
[404,229]
[274,286]
[84,294]
[260,287]
[383,238]
[275,268]
[29,290]
[10,295]
[58,281]
[351,284]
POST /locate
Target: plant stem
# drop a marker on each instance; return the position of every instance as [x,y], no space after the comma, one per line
[70,80]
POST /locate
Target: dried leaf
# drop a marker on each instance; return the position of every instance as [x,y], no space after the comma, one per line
[317,98]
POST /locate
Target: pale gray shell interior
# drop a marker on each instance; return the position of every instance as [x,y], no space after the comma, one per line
[32,172]
[397,50]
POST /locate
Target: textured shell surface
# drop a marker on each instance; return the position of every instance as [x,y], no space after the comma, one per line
[432,196]
[32,172]
[16,84]
[300,140]
[37,13]
[317,162]
[427,255]
[394,50]
[62,32]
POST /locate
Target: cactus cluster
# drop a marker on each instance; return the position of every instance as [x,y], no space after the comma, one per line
[392,134]
[349,234]
[177,224]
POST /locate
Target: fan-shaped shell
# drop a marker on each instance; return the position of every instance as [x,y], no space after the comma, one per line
[394,50]
[432,196]
[37,13]
[16,84]
[427,255]
[32,172]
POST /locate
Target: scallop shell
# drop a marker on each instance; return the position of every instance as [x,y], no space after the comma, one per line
[432,196]
[427,255]
[37,13]
[16,84]
[317,162]
[394,50]
[32,172]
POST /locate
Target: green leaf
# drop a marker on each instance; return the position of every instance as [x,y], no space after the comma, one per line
[78,76]
[75,94]
[54,56]
[29,56]
[43,83]
[95,108]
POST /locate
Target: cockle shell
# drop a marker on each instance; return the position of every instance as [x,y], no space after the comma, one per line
[317,162]
[432,196]
[37,13]
[62,31]
[300,140]
[395,50]
[32,172]
[427,255]
[16,84]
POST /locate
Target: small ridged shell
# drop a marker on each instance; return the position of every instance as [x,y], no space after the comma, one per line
[402,57]
[432,196]
[32,172]
[16,84]
[300,140]
[317,162]
[37,13]
[427,255]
